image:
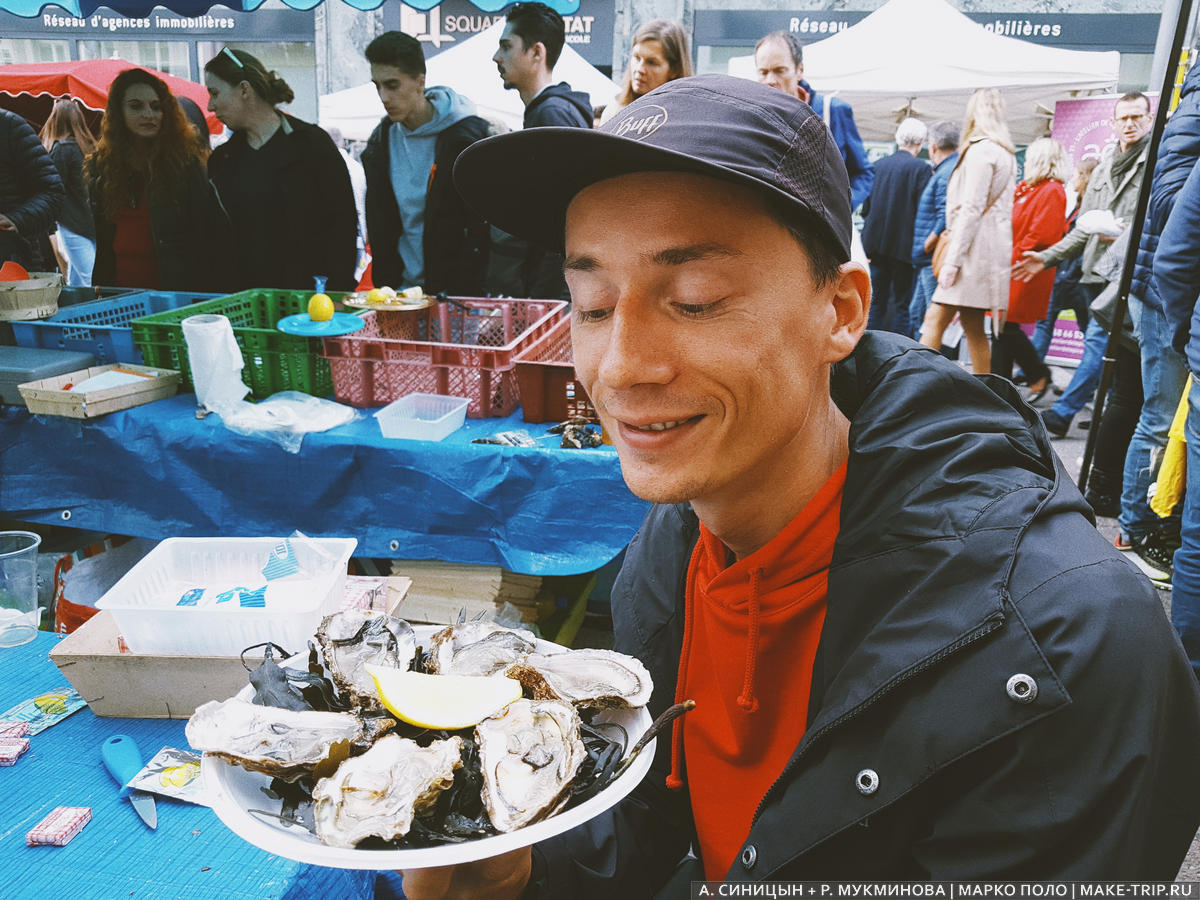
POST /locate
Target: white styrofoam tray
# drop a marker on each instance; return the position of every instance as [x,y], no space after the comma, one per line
[145,601]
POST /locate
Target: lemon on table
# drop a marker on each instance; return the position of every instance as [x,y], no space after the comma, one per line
[377,296]
[442,701]
[320,308]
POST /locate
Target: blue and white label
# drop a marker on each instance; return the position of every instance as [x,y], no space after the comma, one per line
[191,598]
[282,562]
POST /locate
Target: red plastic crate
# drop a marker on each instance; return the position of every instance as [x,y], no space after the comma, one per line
[546,377]
[464,347]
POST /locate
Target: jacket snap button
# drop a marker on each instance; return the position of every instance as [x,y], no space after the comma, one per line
[749,857]
[867,782]
[1022,688]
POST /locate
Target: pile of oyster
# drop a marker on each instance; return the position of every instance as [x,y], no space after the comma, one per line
[353,774]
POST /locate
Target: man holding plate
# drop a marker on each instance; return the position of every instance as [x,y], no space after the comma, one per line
[911,653]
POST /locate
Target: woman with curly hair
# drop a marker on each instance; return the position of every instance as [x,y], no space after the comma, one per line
[153,207]
[660,54]
[282,181]
[68,140]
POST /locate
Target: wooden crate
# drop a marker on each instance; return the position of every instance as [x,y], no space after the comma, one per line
[51,396]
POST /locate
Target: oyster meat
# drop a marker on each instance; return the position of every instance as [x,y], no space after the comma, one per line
[591,678]
[377,794]
[529,754]
[477,648]
[281,742]
[354,637]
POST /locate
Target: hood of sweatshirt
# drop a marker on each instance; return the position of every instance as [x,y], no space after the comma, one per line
[577,98]
[411,158]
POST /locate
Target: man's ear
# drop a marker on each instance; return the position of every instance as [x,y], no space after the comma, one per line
[539,52]
[851,301]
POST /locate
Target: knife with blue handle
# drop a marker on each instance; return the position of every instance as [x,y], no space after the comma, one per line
[123,761]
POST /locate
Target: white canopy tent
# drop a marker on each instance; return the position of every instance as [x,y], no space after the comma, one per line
[924,58]
[469,70]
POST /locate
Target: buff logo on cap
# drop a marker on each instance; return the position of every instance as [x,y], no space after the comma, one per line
[643,123]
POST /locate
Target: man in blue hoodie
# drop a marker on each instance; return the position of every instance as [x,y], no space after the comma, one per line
[420,230]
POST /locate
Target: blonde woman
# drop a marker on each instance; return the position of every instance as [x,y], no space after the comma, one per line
[975,274]
[1039,220]
[660,54]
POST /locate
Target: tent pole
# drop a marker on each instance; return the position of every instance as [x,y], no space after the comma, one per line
[1122,301]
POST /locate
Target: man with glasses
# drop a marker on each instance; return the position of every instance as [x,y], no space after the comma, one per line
[1114,186]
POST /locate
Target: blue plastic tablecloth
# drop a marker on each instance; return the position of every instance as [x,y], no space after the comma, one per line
[190,855]
[156,471]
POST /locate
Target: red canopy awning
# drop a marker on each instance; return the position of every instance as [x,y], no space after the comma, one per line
[88,80]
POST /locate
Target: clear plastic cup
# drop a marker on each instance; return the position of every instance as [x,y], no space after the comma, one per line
[18,587]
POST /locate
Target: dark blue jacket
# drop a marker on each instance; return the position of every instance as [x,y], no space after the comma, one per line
[965,556]
[845,135]
[1177,153]
[931,210]
[891,209]
[31,191]
[1177,270]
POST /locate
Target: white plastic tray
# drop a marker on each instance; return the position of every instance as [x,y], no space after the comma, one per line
[144,602]
[422,417]
[233,791]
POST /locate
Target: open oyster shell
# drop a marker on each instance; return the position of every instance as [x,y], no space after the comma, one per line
[378,793]
[280,742]
[529,752]
[354,637]
[477,648]
[592,678]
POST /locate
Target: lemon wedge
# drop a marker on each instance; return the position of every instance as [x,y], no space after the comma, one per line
[442,701]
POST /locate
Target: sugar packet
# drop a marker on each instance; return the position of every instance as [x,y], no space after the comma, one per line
[46,709]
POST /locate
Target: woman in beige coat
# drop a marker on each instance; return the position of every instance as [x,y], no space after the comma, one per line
[975,274]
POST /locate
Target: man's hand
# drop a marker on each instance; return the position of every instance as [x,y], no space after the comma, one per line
[948,276]
[6,224]
[1029,265]
[931,242]
[501,877]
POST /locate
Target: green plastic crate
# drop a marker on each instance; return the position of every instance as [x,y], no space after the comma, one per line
[274,361]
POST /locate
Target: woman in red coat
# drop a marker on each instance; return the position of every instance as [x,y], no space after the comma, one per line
[1038,220]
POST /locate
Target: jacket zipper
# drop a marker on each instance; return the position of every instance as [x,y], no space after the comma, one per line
[990,624]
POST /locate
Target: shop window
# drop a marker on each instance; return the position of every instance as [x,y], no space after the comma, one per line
[33,50]
[165,56]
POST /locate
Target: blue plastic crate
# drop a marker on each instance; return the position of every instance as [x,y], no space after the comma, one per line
[72,296]
[101,327]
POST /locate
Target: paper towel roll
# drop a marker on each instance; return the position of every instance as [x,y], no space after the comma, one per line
[216,361]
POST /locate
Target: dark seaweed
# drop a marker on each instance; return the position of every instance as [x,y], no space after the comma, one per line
[289,688]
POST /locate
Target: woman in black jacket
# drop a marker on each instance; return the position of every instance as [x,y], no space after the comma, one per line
[282,182]
[156,216]
[68,140]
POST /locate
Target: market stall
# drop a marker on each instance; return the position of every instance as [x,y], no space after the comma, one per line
[924,58]
[157,471]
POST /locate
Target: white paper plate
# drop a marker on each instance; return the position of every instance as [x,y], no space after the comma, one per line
[233,791]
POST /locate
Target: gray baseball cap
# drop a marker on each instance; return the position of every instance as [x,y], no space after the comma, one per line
[728,128]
